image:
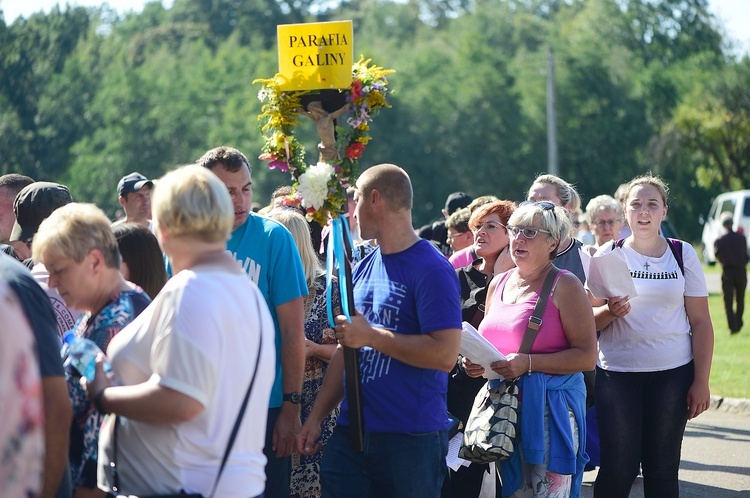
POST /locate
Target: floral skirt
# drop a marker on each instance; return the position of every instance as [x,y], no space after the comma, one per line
[537,480]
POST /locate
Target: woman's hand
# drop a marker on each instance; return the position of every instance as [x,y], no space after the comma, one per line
[619,306]
[699,399]
[504,261]
[99,384]
[472,369]
[311,349]
[513,367]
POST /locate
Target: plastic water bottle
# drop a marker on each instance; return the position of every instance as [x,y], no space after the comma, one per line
[81,355]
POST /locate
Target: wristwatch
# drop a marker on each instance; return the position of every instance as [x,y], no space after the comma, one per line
[295,398]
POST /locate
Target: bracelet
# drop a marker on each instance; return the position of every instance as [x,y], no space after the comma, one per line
[529,372]
[98,402]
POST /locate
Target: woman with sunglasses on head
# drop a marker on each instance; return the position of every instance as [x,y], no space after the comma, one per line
[549,460]
[606,217]
[654,353]
[491,243]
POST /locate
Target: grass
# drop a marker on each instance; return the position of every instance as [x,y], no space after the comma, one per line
[731,363]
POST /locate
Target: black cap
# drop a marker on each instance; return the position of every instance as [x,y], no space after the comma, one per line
[456,201]
[132,183]
[35,203]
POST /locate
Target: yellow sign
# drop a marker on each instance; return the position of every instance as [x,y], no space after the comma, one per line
[316,56]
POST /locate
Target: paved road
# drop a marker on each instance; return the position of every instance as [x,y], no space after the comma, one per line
[715,459]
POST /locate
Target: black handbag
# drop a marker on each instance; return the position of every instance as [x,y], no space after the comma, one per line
[227,452]
[491,433]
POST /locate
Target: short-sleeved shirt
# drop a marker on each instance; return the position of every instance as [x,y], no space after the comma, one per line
[41,317]
[200,337]
[22,428]
[84,432]
[655,334]
[38,310]
[414,291]
[267,253]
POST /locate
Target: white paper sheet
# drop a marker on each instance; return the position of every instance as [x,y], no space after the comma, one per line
[479,350]
[608,275]
[452,458]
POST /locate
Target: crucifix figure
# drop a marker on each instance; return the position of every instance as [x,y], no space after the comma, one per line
[324,122]
[646,265]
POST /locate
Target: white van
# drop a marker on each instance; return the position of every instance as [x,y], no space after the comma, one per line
[737,203]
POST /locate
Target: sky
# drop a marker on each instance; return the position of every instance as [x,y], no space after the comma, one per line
[733,14]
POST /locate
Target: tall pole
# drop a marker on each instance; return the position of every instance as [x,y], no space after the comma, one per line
[552,165]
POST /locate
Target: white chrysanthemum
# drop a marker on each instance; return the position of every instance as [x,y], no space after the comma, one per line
[313,185]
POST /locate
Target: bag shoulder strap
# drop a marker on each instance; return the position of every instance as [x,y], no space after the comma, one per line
[241,415]
[675,245]
[535,321]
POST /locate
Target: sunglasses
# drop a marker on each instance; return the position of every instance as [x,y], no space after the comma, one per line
[545,205]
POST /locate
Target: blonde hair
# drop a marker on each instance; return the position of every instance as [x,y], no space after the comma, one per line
[72,231]
[555,221]
[296,223]
[192,202]
[565,191]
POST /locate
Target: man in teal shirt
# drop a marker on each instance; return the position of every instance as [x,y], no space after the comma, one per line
[267,253]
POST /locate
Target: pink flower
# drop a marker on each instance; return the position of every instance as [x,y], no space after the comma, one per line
[267,156]
[355,150]
[283,166]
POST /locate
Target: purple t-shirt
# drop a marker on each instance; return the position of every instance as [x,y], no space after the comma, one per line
[414,291]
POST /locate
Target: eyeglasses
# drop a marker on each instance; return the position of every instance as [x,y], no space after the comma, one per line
[489,226]
[604,223]
[528,232]
[452,236]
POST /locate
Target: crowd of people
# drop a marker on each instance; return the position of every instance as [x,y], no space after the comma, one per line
[223,369]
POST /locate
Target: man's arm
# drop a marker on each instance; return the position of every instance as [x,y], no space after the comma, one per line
[291,326]
[436,350]
[58,414]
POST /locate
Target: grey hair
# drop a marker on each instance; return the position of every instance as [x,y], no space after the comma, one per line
[555,221]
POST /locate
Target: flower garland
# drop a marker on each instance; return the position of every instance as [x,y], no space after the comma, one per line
[321,188]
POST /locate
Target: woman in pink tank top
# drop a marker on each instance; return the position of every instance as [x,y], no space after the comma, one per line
[551,456]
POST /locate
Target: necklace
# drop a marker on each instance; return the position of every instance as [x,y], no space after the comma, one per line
[654,251]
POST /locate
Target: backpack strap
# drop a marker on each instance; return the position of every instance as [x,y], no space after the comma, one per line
[675,245]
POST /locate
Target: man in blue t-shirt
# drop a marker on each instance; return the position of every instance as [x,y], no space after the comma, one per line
[407,330]
[268,254]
